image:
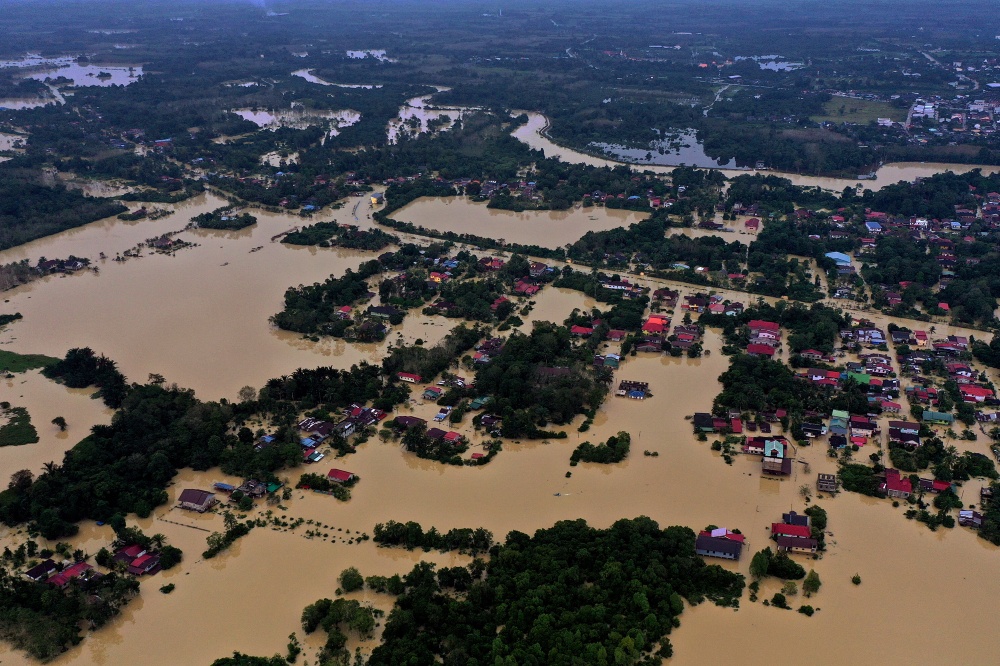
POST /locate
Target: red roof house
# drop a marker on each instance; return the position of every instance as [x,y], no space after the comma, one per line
[340,476]
[791,530]
[760,350]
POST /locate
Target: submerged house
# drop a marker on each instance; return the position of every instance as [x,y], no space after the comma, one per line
[719,542]
[196,500]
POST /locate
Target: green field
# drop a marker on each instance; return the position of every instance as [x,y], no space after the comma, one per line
[858,111]
[18,429]
[11,362]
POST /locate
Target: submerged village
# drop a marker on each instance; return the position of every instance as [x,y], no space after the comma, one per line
[856,387]
[333,367]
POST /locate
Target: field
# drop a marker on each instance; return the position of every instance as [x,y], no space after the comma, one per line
[11,362]
[860,111]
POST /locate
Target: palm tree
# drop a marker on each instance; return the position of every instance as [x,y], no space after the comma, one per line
[158,539]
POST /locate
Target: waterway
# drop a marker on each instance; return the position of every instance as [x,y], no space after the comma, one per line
[533,133]
[545,228]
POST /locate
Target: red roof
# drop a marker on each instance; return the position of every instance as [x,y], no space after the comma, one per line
[791,530]
[339,475]
[69,573]
[452,436]
[477,456]
[581,330]
[409,376]
[761,350]
[737,426]
[761,325]
[976,391]
[139,562]
[132,551]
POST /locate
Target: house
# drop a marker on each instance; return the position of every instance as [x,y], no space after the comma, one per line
[904,433]
[811,354]
[784,529]
[775,462]
[719,542]
[407,422]
[537,269]
[196,500]
[616,335]
[41,571]
[704,422]
[758,327]
[827,483]
[975,393]
[409,377]
[791,544]
[938,418]
[793,518]
[377,198]
[130,553]
[839,258]
[145,564]
[634,390]
[972,519]
[895,485]
[656,324]
[765,351]
[581,331]
[383,311]
[340,476]
[63,578]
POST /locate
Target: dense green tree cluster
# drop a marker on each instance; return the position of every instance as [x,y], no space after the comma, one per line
[411,535]
[613,451]
[812,327]
[529,386]
[82,368]
[30,210]
[311,308]
[568,593]
[429,362]
[224,218]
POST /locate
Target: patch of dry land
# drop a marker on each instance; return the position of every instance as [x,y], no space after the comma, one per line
[199,317]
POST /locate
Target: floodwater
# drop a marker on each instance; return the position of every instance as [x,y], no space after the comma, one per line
[40,68]
[417,114]
[147,313]
[312,78]
[11,141]
[44,401]
[298,118]
[533,134]
[679,148]
[545,228]
[199,318]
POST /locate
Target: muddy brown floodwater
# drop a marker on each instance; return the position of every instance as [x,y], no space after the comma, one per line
[545,228]
[200,318]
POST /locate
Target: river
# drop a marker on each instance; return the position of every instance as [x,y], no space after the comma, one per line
[533,133]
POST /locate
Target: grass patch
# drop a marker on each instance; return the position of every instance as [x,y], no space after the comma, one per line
[12,362]
[18,429]
[860,111]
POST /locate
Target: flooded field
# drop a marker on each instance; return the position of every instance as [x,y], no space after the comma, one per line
[199,317]
[418,116]
[79,72]
[545,228]
[533,134]
[147,313]
[312,78]
[679,148]
[298,118]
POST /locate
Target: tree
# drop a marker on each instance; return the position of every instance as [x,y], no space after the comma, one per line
[811,584]
[351,580]
[247,394]
[59,422]
[760,563]
[20,480]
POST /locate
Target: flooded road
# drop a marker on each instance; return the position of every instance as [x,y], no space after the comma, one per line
[545,228]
